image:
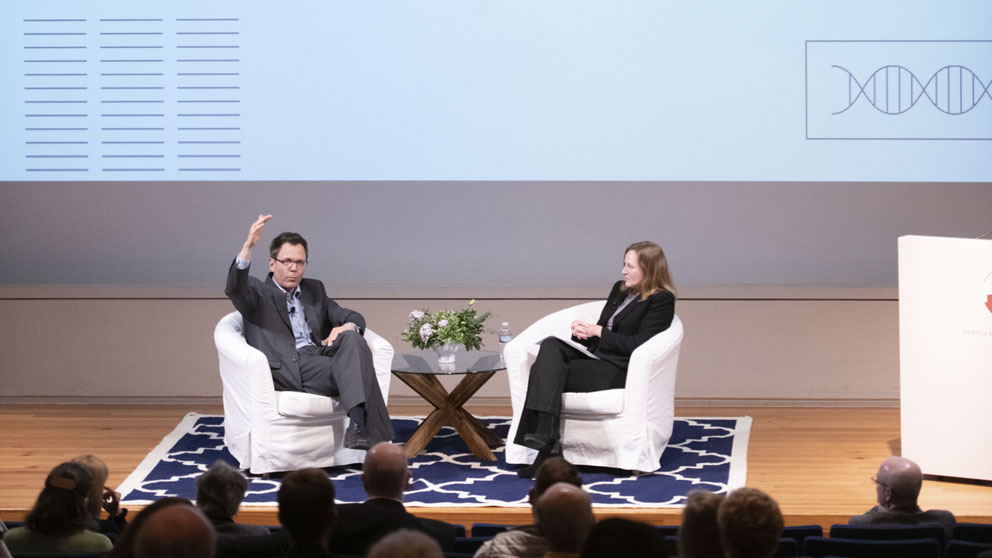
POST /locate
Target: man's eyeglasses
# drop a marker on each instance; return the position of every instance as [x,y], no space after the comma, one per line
[879,483]
[291,263]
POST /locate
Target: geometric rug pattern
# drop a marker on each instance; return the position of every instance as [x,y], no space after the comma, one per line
[704,454]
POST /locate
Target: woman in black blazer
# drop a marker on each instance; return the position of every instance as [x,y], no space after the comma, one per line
[639,306]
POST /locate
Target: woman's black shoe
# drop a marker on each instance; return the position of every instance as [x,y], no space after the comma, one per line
[545,452]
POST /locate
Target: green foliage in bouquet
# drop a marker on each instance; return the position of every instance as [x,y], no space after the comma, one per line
[464,326]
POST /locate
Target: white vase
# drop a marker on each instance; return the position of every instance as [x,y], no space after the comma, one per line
[446,352]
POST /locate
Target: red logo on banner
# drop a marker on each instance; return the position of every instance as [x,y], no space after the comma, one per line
[988,303]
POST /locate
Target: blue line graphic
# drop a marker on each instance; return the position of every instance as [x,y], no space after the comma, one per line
[961,84]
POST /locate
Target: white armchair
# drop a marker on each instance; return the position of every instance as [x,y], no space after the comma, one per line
[269,431]
[621,428]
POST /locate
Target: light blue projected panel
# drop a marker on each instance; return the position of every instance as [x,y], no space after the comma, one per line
[472,90]
[153,97]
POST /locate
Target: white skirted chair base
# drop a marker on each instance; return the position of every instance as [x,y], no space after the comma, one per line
[270,431]
[620,428]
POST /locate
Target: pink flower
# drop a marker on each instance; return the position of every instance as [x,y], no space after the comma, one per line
[425,332]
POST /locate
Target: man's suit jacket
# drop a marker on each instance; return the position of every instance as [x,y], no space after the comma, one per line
[267,325]
[635,324]
[359,526]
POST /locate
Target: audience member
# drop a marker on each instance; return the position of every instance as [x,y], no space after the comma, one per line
[564,516]
[219,492]
[750,524]
[103,498]
[385,477]
[126,546]
[897,487]
[699,536]
[406,543]
[623,537]
[59,522]
[307,511]
[526,541]
[177,531]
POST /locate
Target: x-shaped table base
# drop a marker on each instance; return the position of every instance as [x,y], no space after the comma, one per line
[448,410]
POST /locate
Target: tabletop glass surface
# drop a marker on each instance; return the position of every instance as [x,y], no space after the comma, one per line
[466,362]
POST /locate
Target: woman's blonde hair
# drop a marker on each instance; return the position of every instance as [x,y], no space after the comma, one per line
[98,470]
[654,265]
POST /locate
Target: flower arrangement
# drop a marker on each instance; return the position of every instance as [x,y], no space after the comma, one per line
[428,329]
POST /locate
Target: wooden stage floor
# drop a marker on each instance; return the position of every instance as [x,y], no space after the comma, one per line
[817,462]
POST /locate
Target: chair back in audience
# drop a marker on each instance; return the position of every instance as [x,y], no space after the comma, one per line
[799,533]
[889,532]
[489,529]
[966,549]
[820,547]
[973,532]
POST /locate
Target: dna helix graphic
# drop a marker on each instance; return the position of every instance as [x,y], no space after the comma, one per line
[894,89]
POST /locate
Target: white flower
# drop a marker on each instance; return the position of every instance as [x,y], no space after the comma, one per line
[425,332]
[442,322]
[416,315]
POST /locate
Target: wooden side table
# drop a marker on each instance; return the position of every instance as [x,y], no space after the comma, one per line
[420,371]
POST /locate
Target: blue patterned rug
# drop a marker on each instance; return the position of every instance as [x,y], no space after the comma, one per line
[704,453]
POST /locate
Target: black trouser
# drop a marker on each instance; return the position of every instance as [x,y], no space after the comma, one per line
[345,370]
[558,368]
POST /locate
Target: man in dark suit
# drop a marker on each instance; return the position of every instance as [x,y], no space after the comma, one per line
[897,489]
[313,345]
[385,477]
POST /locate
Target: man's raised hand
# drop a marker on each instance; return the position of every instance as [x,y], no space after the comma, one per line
[254,235]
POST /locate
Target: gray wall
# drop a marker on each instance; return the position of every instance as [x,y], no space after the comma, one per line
[444,234]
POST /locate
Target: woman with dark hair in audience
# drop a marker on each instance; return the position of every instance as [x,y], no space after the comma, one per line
[639,306]
[103,498]
[60,522]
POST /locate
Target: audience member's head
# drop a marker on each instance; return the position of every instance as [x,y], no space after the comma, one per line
[898,483]
[750,524]
[176,531]
[126,546]
[622,537]
[552,470]
[306,507]
[99,472]
[699,536]
[385,473]
[220,490]
[62,507]
[564,517]
[406,543]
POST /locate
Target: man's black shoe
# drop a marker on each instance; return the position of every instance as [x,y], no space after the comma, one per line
[355,438]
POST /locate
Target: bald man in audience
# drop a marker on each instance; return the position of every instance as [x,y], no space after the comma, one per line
[750,524]
[897,487]
[564,516]
[386,477]
[526,541]
[179,531]
[406,543]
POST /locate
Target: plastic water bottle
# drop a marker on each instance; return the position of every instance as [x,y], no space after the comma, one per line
[505,336]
